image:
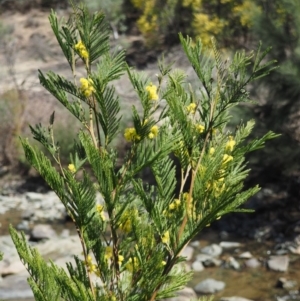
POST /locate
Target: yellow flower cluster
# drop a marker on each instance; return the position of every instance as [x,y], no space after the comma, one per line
[226,159]
[100,210]
[217,186]
[211,151]
[191,210]
[152,92]
[230,144]
[192,3]
[191,108]
[87,87]
[80,47]
[200,128]
[174,206]
[166,238]
[92,268]
[132,264]
[131,135]
[109,255]
[147,24]
[246,12]
[153,132]
[72,168]
[206,27]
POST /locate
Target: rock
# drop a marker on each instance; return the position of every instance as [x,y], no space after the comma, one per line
[297,240]
[65,233]
[7,247]
[233,263]
[197,266]
[42,231]
[278,263]
[187,253]
[245,255]
[294,250]
[195,243]
[208,260]
[263,233]
[23,226]
[252,263]
[286,284]
[61,262]
[234,298]
[54,246]
[185,294]
[14,267]
[34,196]
[213,250]
[229,244]
[20,287]
[209,286]
[27,214]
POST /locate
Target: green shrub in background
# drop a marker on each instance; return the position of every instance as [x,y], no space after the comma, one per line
[131,243]
[227,20]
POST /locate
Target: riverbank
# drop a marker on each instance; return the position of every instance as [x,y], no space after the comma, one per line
[224,263]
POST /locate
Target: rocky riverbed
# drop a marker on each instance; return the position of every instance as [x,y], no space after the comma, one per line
[228,267]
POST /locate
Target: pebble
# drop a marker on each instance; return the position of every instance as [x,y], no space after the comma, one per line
[209,286]
[233,263]
[278,263]
[213,250]
[197,266]
[286,284]
[195,243]
[229,244]
[252,263]
[208,260]
[245,255]
[294,250]
[187,253]
[13,266]
[186,294]
[42,231]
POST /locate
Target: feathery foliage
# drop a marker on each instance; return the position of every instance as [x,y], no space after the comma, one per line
[132,241]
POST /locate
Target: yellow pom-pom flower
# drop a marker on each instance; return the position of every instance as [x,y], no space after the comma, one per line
[230,144]
[200,128]
[72,168]
[153,132]
[132,264]
[152,92]
[211,151]
[100,210]
[191,108]
[166,238]
[87,87]
[131,135]
[80,47]
[108,253]
[120,259]
[226,159]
